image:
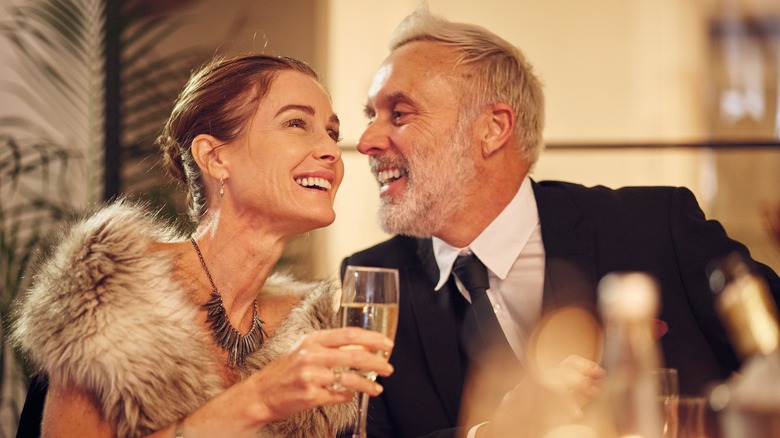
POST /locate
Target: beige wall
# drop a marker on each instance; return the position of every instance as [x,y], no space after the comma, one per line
[614,71]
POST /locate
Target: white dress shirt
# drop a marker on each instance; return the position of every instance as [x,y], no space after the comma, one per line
[512,250]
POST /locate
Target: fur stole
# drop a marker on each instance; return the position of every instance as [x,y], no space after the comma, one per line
[106,314]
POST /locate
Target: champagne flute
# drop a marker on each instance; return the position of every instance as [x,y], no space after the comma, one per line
[369,299]
[692,418]
[668,393]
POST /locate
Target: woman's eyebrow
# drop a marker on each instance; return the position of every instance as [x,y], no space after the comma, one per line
[305,108]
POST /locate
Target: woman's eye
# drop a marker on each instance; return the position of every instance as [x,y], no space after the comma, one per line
[296,123]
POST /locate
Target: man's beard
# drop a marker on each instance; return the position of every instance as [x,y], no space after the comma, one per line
[435,176]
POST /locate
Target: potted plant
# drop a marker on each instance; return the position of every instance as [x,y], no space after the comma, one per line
[95,92]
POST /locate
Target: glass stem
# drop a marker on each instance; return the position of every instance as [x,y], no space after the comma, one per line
[360,428]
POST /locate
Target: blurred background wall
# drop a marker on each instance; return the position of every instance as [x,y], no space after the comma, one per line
[670,75]
[666,77]
[641,92]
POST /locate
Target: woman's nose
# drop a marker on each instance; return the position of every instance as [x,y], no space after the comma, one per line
[328,151]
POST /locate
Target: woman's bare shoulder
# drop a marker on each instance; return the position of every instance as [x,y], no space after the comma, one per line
[72,412]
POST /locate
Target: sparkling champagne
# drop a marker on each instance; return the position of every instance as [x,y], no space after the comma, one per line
[379,317]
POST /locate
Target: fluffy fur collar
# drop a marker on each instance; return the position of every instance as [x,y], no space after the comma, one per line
[108,316]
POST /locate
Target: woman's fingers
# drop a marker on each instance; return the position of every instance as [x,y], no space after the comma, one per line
[346,336]
[336,360]
[350,359]
[350,348]
[352,382]
[318,371]
[338,375]
[358,359]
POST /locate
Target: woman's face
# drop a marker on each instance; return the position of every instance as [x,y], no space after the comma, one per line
[286,168]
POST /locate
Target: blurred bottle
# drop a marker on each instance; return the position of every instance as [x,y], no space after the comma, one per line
[628,405]
[749,402]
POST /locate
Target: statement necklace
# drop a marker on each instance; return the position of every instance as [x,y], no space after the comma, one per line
[237,345]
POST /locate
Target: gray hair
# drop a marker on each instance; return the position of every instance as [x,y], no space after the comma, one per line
[501,72]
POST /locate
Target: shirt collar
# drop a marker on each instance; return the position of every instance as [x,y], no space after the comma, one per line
[500,243]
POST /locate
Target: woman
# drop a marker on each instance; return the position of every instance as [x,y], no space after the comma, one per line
[142,332]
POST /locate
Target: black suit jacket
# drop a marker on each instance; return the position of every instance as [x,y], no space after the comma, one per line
[587,233]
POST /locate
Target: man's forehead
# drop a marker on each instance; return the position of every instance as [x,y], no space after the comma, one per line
[410,66]
[380,79]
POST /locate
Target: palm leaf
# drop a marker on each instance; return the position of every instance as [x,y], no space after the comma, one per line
[60,46]
[150,84]
[51,165]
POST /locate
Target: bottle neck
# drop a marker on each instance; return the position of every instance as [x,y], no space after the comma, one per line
[630,343]
[750,317]
[630,387]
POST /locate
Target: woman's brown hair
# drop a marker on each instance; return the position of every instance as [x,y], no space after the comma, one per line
[219,99]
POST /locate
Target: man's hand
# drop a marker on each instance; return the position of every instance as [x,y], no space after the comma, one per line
[541,403]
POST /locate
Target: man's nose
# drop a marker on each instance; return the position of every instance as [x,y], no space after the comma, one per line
[374,140]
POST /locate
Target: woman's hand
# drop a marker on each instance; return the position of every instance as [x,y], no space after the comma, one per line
[316,371]
[305,377]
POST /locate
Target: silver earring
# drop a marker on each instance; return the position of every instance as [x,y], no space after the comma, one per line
[221,187]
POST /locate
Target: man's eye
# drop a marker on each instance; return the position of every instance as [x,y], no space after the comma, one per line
[335,135]
[397,115]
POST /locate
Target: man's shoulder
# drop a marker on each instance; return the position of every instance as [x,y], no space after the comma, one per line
[599,190]
[602,205]
[394,252]
[602,194]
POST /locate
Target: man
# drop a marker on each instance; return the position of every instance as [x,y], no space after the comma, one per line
[456,119]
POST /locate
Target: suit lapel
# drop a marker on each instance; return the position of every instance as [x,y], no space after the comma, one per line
[436,319]
[570,279]
[570,271]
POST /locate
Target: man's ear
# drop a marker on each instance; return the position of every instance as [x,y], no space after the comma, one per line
[498,128]
[205,151]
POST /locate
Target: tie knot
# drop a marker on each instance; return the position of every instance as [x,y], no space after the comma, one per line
[471,272]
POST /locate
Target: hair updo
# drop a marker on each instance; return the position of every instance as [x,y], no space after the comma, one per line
[219,99]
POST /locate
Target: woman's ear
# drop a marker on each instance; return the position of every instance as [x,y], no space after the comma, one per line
[497,128]
[205,151]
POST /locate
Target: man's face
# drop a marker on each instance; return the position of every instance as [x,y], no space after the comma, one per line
[420,150]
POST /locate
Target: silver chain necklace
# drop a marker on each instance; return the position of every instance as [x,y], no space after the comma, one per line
[237,345]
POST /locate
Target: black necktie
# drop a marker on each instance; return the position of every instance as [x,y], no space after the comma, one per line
[492,368]
[473,274]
